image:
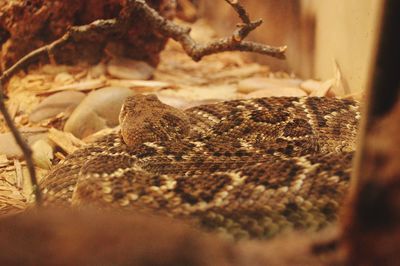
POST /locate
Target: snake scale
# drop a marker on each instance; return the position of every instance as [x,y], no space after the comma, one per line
[247,168]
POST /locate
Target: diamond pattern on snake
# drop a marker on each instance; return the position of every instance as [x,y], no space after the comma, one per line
[246,168]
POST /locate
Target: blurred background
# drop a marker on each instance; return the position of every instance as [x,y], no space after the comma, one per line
[323,37]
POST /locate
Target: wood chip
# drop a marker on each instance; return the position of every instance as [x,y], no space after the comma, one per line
[263,83]
[149,85]
[59,156]
[13,109]
[80,86]
[340,86]
[310,85]
[19,178]
[277,92]
[242,72]
[66,141]
[358,96]
[99,134]
[323,89]
[64,78]
[33,130]
[3,160]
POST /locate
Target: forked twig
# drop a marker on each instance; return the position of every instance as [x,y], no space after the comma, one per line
[196,51]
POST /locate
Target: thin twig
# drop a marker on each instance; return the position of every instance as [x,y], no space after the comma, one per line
[243,15]
[24,147]
[247,26]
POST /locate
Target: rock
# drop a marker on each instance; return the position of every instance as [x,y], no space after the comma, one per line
[55,104]
[9,146]
[99,110]
[42,153]
[262,83]
[277,92]
[124,68]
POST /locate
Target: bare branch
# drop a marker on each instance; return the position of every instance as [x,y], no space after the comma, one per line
[197,51]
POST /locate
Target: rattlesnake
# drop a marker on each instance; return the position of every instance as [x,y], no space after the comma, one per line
[249,168]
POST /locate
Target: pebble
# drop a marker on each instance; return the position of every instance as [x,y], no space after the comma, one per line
[10,148]
[43,153]
[55,104]
[99,110]
[124,68]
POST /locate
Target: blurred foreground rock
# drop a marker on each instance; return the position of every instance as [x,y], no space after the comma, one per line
[87,237]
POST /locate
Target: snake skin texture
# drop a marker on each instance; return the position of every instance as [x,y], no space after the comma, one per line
[246,168]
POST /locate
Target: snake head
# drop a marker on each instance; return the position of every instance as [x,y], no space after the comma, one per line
[137,104]
[144,118]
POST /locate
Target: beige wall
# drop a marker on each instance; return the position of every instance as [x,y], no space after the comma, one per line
[346,32]
[317,32]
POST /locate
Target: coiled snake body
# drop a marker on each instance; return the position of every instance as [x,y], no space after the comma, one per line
[250,168]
